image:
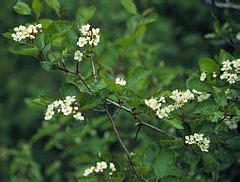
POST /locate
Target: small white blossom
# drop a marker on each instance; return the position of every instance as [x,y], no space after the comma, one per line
[88,171]
[214,75]
[23,32]
[236,65]
[78,116]
[226,65]
[85,29]
[232,78]
[152,103]
[82,41]
[201,96]
[200,140]
[203,76]
[120,81]
[78,56]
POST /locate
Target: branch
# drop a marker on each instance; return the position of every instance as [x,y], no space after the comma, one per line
[222,5]
[121,142]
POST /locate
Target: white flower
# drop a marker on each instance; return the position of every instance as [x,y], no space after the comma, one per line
[120,81]
[95,31]
[181,97]
[236,65]
[226,65]
[232,78]
[23,32]
[94,41]
[85,29]
[82,41]
[203,76]
[224,75]
[70,99]
[78,116]
[67,110]
[161,113]
[214,75]
[152,103]
[200,140]
[78,56]
[88,171]
[198,137]
[190,139]
[49,115]
[112,167]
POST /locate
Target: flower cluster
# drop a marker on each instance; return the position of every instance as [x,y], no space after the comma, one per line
[120,81]
[99,168]
[88,36]
[66,107]
[231,123]
[231,71]
[199,139]
[178,99]
[23,32]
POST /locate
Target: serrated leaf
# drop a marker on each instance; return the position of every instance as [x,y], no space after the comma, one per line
[22,49]
[224,55]
[194,83]
[84,14]
[37,7]
[55,5]
[137,75]
[175,123]
[209,66]
[22,8]
[48,66]
[69,89]
[164,165]
[129,6]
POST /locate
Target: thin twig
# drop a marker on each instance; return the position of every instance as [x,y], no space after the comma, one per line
[121,142]
[94,71]
[222,5]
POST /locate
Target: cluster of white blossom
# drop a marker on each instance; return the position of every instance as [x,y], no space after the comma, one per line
[232,123]
[199,139]
[231,71]
[23,32]
[66,107]
[179,98]
[120,81]
[89,36]
[99,168]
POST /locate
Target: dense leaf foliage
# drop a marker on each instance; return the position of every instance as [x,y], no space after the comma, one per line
[115,111]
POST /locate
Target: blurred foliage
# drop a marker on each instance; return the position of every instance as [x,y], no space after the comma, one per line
[167,36]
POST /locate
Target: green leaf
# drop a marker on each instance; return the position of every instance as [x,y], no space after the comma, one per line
[209,66]
[112,85]
[56,30]
[22,8]
[22,49]
[210,163]
[224,55]
[164,165]
[69,89]
[194,83]
[84,14]
[54,4]
[137,75]
[37,7]
[175,123]
[48,66]
[129,6]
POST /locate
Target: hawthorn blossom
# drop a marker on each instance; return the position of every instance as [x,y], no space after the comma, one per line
[78,56]
[198,139]
[68,106]
[203,76]
[100,168]
[26,32]
[120,81]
